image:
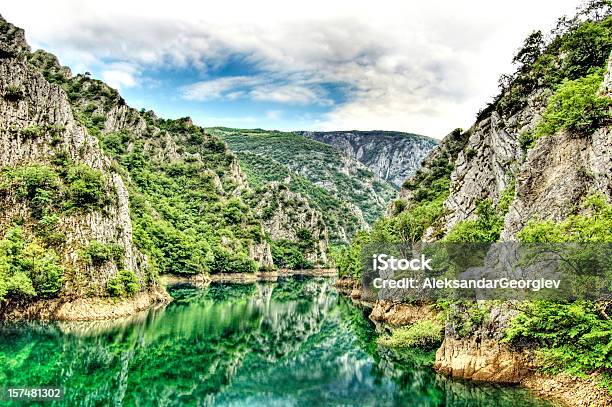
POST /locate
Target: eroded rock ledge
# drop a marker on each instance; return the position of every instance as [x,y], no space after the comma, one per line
[492,361]
[398,314]
[483,359]
[487,360]
[83,309]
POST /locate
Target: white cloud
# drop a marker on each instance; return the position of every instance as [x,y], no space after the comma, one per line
[255,87]
[417,66]
[295,94]
[274,114]
[217,88]
[120,75]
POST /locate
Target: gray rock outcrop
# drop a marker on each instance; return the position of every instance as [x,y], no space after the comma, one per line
[393,156]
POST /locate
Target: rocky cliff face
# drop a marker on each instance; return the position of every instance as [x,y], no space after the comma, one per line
[165,144]
[559,171]
[36,125]
[551,177]
[286,215]
[393,156]
[348,194]
[528,170]
[117,192]
[476,352]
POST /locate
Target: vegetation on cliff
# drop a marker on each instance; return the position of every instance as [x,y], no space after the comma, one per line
[346,192]
[190,209]
[568,69]
[28,268]
[575,337]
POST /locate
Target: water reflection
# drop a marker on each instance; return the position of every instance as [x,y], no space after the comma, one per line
[291,343]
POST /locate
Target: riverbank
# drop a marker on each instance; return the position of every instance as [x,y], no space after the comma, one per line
[204,279]
[488,361]
[101,308]
[83,309]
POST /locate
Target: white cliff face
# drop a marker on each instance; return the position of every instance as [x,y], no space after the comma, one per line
[551,178]
[46,107]
[393,156]
[486,166]
[559,171]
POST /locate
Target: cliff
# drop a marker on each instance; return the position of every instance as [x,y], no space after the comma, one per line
[535,166]
[99,198]
[393,156]
[288,216]
[347,193]
[57,185]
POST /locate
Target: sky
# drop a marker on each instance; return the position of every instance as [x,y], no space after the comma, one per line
[424,67]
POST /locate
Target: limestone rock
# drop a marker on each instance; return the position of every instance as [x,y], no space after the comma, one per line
[45,107]
[481,360]
[393,156]
[286,214]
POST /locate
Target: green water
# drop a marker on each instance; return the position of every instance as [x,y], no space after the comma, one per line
[292,343]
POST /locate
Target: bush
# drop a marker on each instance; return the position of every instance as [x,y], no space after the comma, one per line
[234,211]
[484,229]
[572,337]
[116,142]
[226,262]
[31,131]
[39,185]
[286,254]
[43,268]
[13,93]
[125,283]
[96,253]
[19,285]
[424,334]
[27,269]
[587,46]
[410,225]
[85,188]
[243,264]
[348,258]
[594,224]
[575,106]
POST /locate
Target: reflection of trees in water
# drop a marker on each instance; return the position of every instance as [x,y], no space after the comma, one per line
[294,341]
[191,348]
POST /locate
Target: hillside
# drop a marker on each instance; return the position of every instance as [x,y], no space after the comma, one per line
[348,194]
[536,166]
[98,198]
[392,155]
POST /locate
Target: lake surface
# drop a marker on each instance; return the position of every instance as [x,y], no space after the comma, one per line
[291,343]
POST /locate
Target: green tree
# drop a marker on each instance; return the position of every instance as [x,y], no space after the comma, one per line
[576,106]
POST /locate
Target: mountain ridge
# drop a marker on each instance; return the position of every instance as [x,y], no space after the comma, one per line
[394,156]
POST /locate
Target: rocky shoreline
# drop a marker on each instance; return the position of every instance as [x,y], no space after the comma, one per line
[103,308]
[83,309]
[485,361]
[204,279]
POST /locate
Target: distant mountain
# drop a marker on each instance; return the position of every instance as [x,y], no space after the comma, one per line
[349,195]
[393,156]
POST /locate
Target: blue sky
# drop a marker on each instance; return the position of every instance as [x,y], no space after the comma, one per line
[423,67]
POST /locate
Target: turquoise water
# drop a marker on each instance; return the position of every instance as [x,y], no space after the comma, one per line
[291,343]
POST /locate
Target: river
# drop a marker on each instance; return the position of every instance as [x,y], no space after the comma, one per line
[295,342]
